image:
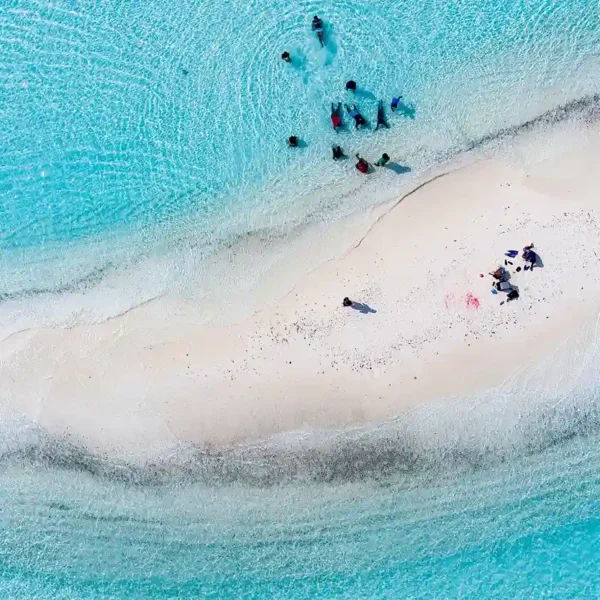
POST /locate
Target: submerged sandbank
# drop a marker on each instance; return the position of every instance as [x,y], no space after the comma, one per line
[155,378]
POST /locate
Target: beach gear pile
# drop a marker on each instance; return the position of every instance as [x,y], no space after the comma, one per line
[502,275]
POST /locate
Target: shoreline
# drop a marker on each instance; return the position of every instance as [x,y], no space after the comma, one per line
[108,283]
[138,384]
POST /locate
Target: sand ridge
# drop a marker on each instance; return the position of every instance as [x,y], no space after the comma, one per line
[154,377]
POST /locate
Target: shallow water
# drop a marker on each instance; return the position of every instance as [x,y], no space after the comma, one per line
[130,130]
[524,527]
[117,116]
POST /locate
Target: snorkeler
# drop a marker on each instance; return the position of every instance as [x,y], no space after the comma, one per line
[317,27]
[286,56]
[381,117]
[359,120]
[336,117]
[337,152]
[395,102]
[293,141]
[362,165]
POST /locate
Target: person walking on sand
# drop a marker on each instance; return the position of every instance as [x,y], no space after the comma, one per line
[384,160]
[362,165]
[381,122]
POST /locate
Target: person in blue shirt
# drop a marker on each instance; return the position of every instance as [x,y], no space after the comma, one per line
[359,120]
[395,102]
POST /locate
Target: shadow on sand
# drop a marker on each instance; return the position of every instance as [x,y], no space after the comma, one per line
[363,308]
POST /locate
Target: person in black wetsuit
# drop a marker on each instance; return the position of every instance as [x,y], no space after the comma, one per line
[381,122]
[359,120]
[317,27]
[337,152]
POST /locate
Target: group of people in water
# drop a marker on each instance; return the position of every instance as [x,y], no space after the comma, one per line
[337,113]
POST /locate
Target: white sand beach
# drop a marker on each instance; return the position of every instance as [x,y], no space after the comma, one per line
[288,356]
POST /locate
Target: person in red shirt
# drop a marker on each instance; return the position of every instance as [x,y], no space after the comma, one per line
[362,165]
[336,118]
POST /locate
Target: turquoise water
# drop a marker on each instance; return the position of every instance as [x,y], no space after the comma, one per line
[518,526]
[129,129]
[121,114]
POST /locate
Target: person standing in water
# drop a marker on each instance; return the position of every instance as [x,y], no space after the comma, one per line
[362,165]
[395,102]
[337,152]
[317,27]
[286,57]
[293,141]
[336,117]
[359,120]
[384,160]
[381,122]
[351,86]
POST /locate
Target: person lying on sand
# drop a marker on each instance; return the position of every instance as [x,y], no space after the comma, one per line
[501,274]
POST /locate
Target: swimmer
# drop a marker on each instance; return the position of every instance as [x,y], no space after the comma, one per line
[359,120]
[286,57]
[293,141]
[384,160]
[362,165]
[351,85]
[381,117]
[396,102]
[336,117]
[337,152]
[317,27]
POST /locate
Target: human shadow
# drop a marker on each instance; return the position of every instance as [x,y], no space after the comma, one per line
[539,263]
[299,60]
[406,110]
[363,308]
[364,94]
[330,42]
[397,168]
